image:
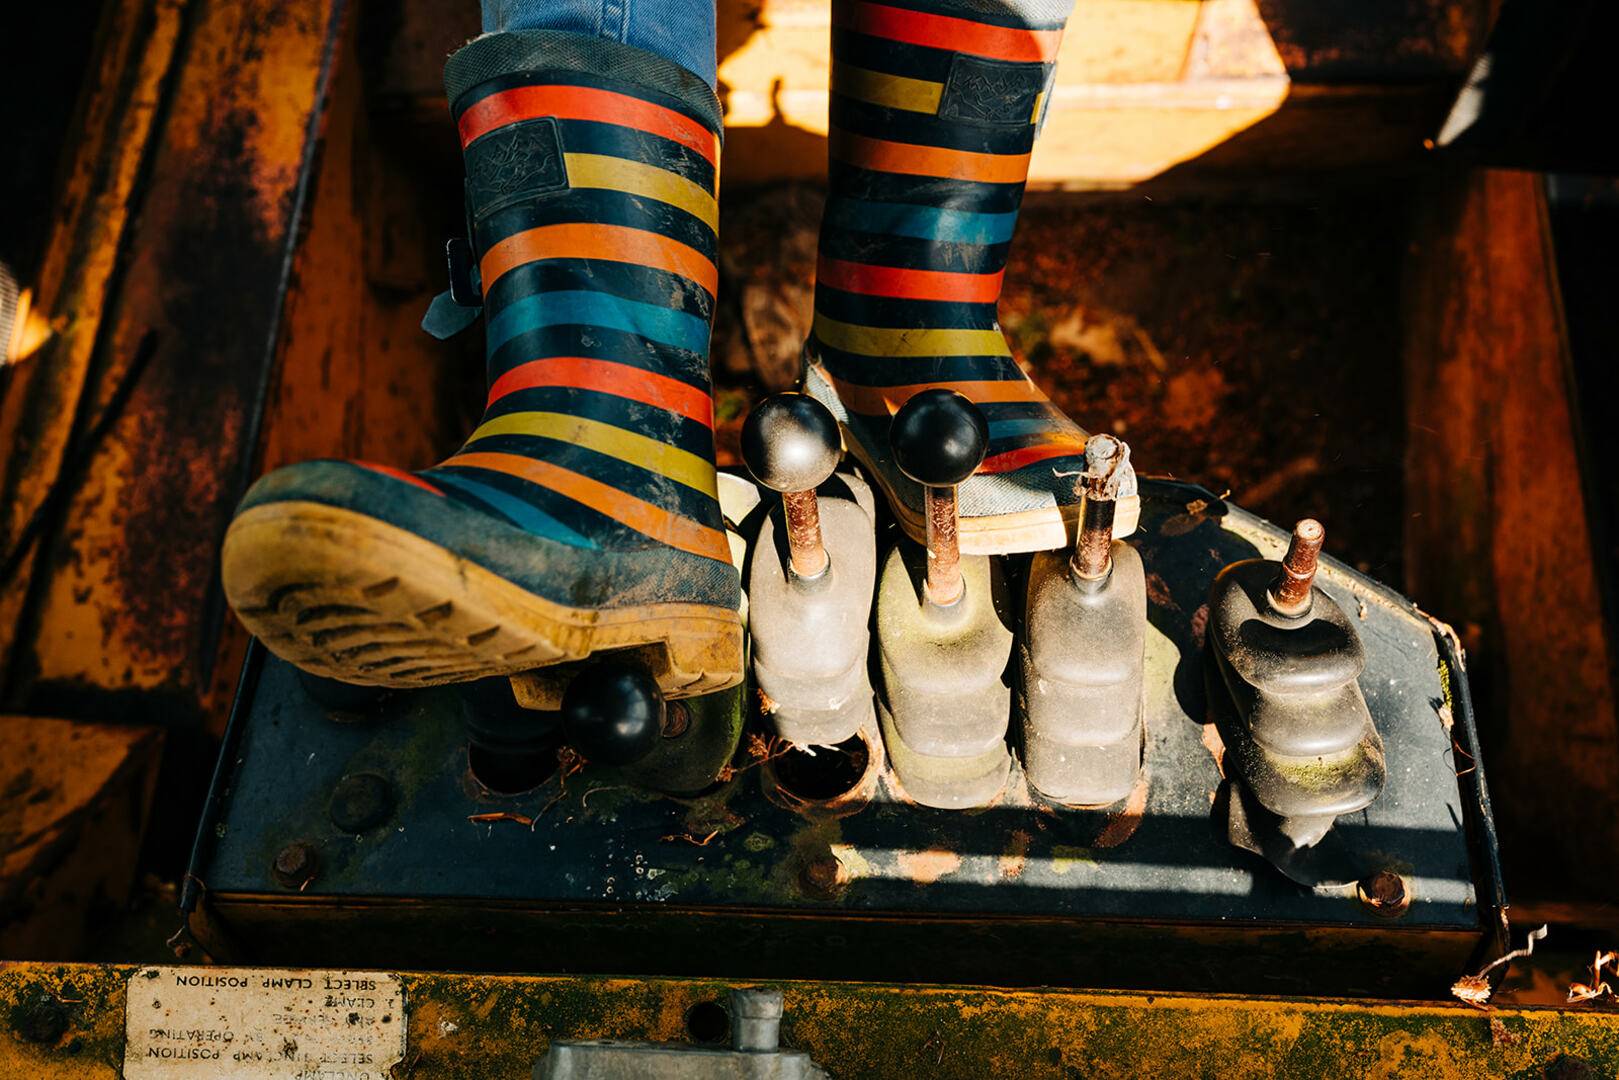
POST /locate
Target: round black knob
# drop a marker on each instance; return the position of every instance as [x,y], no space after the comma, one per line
[790,442]
[939,438]
[613,714]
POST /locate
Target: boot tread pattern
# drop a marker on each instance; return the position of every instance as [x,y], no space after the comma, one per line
[442,619]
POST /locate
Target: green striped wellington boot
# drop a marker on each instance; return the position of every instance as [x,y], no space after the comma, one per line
[581,515]
[934,112]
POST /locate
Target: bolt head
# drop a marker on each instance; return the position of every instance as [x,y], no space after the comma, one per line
[295,865]
[676,719]
[1385,893]
[938,438]
[819,877]
[790,442]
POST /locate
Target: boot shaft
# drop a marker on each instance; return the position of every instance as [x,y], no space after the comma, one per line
[591,175]
[933,118]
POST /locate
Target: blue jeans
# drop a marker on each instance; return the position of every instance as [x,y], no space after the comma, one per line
[678,30]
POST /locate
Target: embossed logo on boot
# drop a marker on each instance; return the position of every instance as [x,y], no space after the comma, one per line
[992,91]
[518,162]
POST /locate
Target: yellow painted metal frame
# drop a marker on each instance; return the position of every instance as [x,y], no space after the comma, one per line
[462,1027]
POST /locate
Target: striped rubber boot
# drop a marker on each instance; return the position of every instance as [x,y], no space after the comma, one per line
[932,121]
[581,515]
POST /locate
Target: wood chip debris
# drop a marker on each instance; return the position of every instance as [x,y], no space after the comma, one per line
[1476,989]
[1578,992]
[501,815]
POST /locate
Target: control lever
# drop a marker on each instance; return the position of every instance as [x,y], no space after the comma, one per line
[1083,650]
[611,711]
[809,607]
[943,643]
[1300,744]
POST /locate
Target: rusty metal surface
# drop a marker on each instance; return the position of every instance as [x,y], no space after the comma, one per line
[1497,529]
[74,799]
[126,608]
[66,1022]
[40,406]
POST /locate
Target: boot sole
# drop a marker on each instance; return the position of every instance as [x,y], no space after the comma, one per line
[1043,529]
[349,597]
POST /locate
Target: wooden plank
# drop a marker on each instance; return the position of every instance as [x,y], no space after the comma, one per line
[1196,88]
[128,604]
[1497,537]
[74,799]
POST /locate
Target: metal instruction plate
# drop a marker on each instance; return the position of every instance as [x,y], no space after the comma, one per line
[230,1023]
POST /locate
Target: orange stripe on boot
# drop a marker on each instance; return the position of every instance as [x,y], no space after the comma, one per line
[881,155]
[948,33]
[607,377]
[653,521]
[611,243]
[585,103]
[908,284]
[1012,460]
[886,400]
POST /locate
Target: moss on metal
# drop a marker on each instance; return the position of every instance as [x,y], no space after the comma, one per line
[65,1022]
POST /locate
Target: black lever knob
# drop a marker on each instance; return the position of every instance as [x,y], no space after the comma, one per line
[790,444]
[613,714]
[939,439]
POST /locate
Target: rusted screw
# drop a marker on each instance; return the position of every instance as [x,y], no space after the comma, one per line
[819,877]
[939,439]
[295,865]
[1385,893]
[1093,553]
[1290,594]
[676,719]
[790,444]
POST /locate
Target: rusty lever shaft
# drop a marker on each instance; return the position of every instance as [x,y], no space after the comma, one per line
[944,550]
[1098,485]
[1290,593]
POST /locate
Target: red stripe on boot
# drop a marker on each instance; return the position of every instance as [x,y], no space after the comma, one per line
[607,377]
[585,103]
[1012,460]
[904,284]
[399,474]
[948,33]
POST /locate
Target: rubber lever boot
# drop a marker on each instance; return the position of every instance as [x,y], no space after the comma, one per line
[934,111]
[942,642]
[1083,652]
[581,515]
[809,599]
[1300,744]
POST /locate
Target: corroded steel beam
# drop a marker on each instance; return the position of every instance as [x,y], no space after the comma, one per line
[66,1022]
[170,379]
